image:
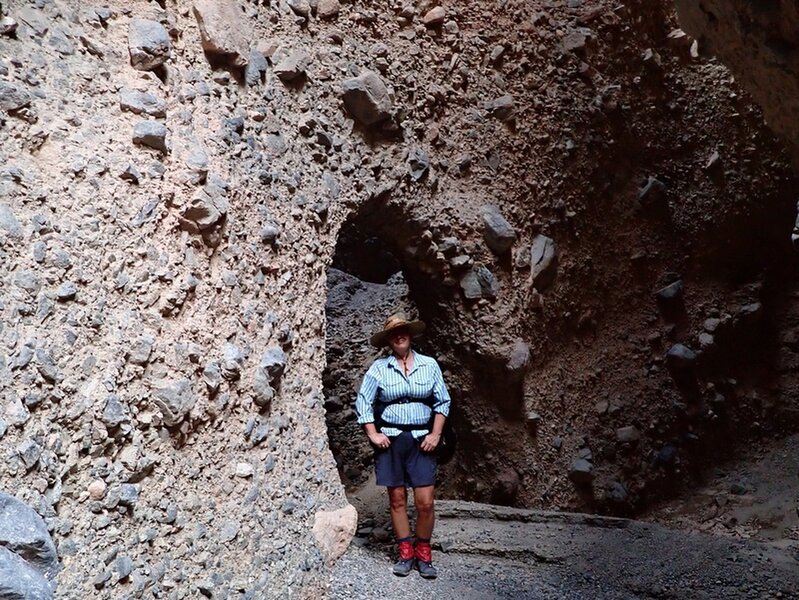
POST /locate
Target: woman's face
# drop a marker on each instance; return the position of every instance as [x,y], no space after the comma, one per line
[400,341]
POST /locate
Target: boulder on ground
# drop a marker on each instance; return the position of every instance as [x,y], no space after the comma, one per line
[334,530]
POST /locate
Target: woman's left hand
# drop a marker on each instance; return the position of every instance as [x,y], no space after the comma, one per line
[430,442]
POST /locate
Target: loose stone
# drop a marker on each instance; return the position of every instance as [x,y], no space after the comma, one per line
[498,233]
[151,134]
[366,98]
[149,44]
[97,489]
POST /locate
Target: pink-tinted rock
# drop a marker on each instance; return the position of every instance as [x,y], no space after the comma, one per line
[223,29]
[434,16]
[328,9]
[334,530]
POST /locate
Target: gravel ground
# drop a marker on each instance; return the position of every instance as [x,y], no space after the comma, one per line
[500,553]
[751,496]
[363,573]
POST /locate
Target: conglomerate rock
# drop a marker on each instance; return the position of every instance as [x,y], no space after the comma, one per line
[224,30]
[756,40]
[162,310]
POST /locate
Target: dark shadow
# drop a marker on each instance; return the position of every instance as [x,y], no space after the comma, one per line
[224,62]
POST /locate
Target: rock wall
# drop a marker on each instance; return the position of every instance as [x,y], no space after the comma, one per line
[757,41]
[163,259]
[173,180]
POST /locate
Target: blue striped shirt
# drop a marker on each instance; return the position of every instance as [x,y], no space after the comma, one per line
[385,381]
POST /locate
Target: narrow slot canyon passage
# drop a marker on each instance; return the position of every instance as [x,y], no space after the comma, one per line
[207,207]
[366,284]
[360,296]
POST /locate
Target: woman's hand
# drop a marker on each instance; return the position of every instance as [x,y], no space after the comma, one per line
[430,442]
[380,440]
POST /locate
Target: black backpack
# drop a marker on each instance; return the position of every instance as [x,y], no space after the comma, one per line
[447,445]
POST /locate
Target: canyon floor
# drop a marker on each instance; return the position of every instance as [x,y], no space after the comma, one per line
[733,536]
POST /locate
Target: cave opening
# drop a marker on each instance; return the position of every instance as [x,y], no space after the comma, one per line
[385,261]
[366,282]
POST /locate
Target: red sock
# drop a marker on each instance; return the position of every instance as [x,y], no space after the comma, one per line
[405,548]
[423,551]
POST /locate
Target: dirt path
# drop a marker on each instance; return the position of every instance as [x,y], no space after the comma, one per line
[495,552]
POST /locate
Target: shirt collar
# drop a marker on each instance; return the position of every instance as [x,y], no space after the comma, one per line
[392,360]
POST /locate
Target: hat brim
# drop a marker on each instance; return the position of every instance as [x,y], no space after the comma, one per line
[380,339]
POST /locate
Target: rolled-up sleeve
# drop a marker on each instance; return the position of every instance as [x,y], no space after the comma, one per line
[440,394]
[364,404]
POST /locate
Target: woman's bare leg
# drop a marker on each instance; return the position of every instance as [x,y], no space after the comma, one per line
[397,499]
[425,511]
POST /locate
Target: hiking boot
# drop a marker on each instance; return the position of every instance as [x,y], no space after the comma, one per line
[426,569]
[424,560]
[406,561]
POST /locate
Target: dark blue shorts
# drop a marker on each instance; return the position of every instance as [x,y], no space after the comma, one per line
[403,464]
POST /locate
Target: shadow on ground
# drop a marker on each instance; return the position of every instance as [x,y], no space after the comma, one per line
[485,551]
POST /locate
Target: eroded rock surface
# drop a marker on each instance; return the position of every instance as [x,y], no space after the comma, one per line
[145,288]
[757,41]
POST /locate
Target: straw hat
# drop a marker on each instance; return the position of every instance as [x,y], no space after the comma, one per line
[394,322]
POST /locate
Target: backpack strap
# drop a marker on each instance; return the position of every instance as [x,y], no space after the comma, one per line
[381,406]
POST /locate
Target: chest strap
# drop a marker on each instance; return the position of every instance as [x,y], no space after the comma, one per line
[381,406]
[428,400]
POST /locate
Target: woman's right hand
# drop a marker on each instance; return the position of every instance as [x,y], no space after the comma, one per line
[380,440]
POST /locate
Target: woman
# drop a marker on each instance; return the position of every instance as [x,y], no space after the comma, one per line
[402,405]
